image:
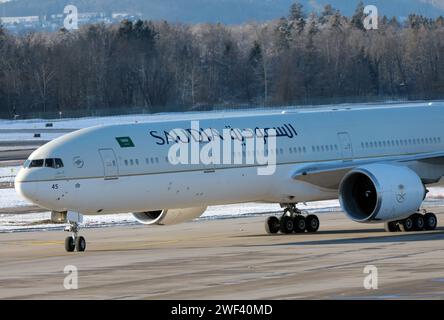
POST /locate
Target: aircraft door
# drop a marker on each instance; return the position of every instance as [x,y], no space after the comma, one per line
[110,165]
[346,146]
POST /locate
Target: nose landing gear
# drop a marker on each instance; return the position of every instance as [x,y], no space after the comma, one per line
[292,220]
[74,242]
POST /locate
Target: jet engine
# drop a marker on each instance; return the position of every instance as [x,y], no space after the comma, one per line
[380,193]
[168,217]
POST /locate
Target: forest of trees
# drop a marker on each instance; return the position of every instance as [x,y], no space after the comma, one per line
[158,66]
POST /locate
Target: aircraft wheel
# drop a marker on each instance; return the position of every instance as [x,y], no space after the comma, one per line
[299,224]
[80,244]
[418,221]
[70,244]
[312,223]
[407,224]
[392,226]
[286,225]
[430,221]
[272,225]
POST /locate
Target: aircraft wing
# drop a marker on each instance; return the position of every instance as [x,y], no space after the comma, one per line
[329,174]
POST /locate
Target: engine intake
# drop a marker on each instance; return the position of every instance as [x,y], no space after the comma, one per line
[381,192]
[168,217]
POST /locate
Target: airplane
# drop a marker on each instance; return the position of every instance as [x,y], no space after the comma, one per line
[378,160]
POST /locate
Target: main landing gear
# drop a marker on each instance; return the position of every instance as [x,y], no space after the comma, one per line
[292,220]
[74,242]
[416,222]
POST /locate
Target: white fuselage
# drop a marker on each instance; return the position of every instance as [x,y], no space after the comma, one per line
[101,175]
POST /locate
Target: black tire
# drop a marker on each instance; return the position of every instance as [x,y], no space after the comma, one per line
[70,244]
[272,225]
[312,223]
[286,225]
[407,225]
[299,224]
[418,221]
[392,226]
[430,221]
[80,244]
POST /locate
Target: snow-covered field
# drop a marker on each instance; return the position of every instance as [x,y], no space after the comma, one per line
[7,174]
[28,136]
[41,221]
[97,121]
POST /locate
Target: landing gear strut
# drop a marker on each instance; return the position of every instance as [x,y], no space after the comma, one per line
[292,220]
[416,222]
[74,242]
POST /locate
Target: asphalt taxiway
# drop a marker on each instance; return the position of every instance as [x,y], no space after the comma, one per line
[226,259]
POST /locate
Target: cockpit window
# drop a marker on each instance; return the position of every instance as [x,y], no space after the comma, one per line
[58,163]
[36,163]
[48,163]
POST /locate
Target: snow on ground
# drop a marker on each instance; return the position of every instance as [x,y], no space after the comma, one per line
[29,136]
[77,123]
[96,121]
[41,222]
[110,120]
[7,174]
[436,193]
[10,199]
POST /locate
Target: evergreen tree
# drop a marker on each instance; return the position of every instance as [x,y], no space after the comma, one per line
[357,20]
[297,17]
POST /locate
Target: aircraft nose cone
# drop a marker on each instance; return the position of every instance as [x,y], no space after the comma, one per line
[24,188]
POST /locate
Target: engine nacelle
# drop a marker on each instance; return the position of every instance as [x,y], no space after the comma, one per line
[169,217]
[380,193]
